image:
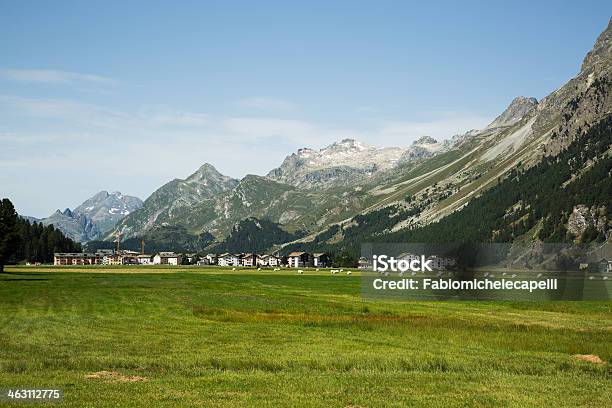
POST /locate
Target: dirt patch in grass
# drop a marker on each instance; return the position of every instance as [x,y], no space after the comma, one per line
[591,358]
[113,376]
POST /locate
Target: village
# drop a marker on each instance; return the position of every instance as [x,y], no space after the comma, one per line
[243,260]
[249,259]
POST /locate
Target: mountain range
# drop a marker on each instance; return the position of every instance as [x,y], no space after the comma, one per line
[351,192]
[94,217]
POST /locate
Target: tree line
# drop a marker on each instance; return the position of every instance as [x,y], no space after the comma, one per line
[23,241]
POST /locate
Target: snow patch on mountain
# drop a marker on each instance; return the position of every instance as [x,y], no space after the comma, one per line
[348,160]
[93,217]
[106,209]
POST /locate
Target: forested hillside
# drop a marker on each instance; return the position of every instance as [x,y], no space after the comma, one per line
[22,241]
[159,239]
[253,235]
[37,243]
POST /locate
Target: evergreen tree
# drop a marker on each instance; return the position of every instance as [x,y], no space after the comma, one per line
[21,240]
[8,231]
[185,260]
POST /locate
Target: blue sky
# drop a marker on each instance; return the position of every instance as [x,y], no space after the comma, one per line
[129,95]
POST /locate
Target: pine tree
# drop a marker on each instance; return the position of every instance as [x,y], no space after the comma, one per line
[8,231]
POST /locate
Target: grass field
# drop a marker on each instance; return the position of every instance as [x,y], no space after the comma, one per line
[209,337]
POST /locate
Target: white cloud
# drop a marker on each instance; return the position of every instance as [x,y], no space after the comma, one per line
[174,117]
[159,122]
[263,103]
[268,127]
[65,142]
[90,115]
[441,127]
[67,110]
[54,77]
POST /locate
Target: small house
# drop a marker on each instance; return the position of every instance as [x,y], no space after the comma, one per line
[320,260]
[299,259]
[76,258]
[248,259]
[364,263]
[228,259]
[269,260]
[167,258]
[211,259]
[605,266]
[144,259]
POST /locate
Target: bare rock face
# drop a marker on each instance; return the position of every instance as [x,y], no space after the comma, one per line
[598,59]
[348,161]
[422,148]
[77,227]
[584,110]
[339,162]
[582,101]
[106,209]
[583,217]
[517,110]
[425,140]
[94,216]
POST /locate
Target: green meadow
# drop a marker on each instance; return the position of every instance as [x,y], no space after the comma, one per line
[187,336]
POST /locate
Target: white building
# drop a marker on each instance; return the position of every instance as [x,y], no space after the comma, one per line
[211,258]
[299,259]
[441,262]
[249,259]
[269,260]
[437,262]
[228,260]
[167,258]
[365,263]
[320,260]
[407,256]
[145,260]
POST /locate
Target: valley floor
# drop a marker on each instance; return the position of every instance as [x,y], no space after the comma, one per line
[210,337]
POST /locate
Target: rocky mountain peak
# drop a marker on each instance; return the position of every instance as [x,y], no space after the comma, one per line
[106,209]
[518,108]
[599,57]
[346,144]
[424,140]
[77,227]
[207,175]
[176,196]
[583,100]
[340,162]
[305,151]
[205,170]
[101,195]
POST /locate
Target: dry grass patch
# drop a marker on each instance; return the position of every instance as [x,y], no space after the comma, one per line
[113,376]
[591,358]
